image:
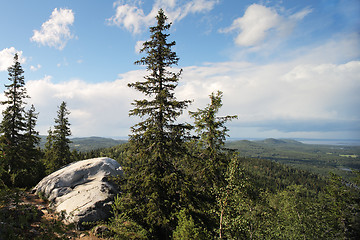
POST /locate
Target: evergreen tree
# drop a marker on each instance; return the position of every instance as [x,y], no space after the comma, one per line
[159,129]
[61,149]
[13,123]
[32,138]
[153,191]
[48,152]
[186,229]
[212,160]
[34,167]
[212,134]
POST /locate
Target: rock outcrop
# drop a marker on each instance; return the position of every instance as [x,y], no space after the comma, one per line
[81,190]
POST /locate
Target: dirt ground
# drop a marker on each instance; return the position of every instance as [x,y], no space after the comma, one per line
[49,216]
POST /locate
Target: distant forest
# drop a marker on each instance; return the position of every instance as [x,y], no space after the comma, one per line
[316,158]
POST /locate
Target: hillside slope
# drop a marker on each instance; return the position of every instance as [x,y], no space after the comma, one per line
[320,159]
[87,144]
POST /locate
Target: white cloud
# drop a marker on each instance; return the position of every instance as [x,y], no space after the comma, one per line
[35,68]
[55,32]
[132,17]
[301,14]
[259,22]
[7,58]
[286,97]
[139,46]
[96,109]
[339,49]
[305,96]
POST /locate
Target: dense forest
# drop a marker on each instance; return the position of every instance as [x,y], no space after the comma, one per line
[181,181]
[320,159]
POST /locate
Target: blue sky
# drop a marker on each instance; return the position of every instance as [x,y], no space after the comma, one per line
[288,69]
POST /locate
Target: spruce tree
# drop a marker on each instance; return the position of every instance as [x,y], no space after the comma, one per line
[49,153]
[153,193]
[212,158]
[162,109]
[34,167]
[212,134]
[13,123]
[61,149]
[32,138]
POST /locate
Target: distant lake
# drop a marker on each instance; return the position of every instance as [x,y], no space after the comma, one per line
[341,142]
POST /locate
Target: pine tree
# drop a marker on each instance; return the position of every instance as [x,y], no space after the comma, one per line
[153,191]
[163,109]
[13,124]
[32,138]
[212,159]
[61,149]
[48,152]
[34,167]
[212,135]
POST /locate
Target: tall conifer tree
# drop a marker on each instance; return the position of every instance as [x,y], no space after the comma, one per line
[32,138]
[212,135]
[34,167]
[212,159]
[61,149]
[152,193]
[162,108]
[13,123]
[49,152]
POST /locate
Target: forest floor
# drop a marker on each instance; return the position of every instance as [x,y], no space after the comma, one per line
[26,216]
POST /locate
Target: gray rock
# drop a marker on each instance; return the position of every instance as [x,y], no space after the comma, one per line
[80,190]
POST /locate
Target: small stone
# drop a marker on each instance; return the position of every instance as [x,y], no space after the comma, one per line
[100,230]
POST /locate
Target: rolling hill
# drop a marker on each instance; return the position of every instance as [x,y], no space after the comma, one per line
[320,159]
[86,144]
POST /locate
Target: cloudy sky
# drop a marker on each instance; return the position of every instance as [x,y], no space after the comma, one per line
[288,69]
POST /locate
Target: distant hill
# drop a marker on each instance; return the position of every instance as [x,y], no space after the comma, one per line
[320,159]
[273,141]
[86,144]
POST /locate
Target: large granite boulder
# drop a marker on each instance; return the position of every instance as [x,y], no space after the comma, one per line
[81,190]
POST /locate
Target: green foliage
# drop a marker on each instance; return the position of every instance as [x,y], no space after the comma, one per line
[341,206]
[212,134]
[122,227]
[13,123]
[35,169]
[23,221]
[213,160]
[88,144]
[161,110]
[261,199]
[319,159]
[153,188]
[32,138]
[61,133]
[19,140]
[186,228]
[57,149]
[210,127]
[48,152]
